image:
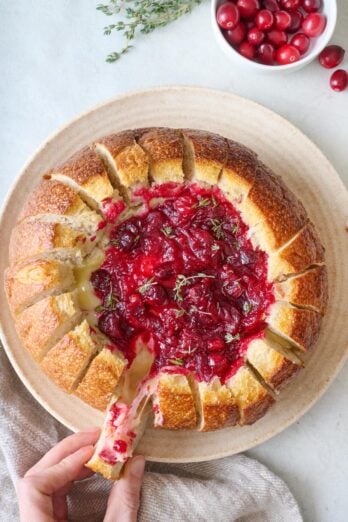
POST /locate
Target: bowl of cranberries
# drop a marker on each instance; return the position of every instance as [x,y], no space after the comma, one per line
[273,35]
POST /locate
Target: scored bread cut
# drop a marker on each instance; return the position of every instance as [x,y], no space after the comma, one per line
[28,283]
[60,314]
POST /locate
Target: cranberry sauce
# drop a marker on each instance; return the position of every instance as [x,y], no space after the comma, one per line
[185,275]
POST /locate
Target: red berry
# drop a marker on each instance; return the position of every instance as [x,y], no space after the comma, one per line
[248,8]
[266,54]
[249,24]
[296,21]
[301,42]
[277,38]
[255,36]
[120,446]
[290,5]
[331,56]
[282,20]
[236,36]
[271,5]
[247,50]
[314,24]
[311,6]
[227,15]
[264,19]
[339,80]
[287,54]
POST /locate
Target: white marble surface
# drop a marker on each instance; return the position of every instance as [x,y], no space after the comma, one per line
[52,68]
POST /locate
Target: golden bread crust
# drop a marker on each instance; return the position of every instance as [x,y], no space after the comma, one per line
[274,368]
[38,335]
[30,239]
[238,175]
[108,471]
[252,398]
[25,284]
[215,405]
[164,149]
[52,197]
[68,359]
[308,289]
[304,251]
[85,172]
[299,326]
[126,162]
[205,155]
[100,381]
[174,399]
[272,211]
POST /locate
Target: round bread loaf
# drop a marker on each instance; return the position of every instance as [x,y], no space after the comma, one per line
[169,270]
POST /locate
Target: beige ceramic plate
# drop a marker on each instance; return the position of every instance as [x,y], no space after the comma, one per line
[306,171]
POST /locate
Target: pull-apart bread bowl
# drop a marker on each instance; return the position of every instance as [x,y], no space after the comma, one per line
[170,273]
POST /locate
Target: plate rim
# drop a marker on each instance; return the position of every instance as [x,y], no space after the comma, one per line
[94,108]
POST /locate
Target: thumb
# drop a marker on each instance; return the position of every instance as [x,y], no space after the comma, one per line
[123,503]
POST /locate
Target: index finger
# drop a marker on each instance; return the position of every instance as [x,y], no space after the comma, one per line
[64,448]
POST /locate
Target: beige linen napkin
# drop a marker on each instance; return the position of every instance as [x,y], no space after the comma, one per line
[231,489]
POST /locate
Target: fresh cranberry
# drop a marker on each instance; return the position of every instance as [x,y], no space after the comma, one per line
[287,54]
[301,42]
[249,24]
[247,50]
[266,54]
[101,280]
[248,8]
[331,56]
[236,36]
[311,6]
[264,19]
[290,5]
[215,345]
[296,21]
[339,80]
[314,24]
[255,36]
[282,20]
[227,15]
[277,38]
[120,446]
[271,5]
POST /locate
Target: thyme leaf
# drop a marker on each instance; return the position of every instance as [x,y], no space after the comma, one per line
[229,338]
[142,289]
[217,228]
[141,16]
[167,231]
[177,361]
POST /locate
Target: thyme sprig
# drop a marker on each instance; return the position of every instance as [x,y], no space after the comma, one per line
[167,231]
[229,338]
[141,16]
[177,361]
[217,228]
[182,281]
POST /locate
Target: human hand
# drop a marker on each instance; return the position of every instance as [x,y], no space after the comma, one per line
[43,489]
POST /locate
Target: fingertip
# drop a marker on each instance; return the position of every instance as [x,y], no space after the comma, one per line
[92,429]
[136,466]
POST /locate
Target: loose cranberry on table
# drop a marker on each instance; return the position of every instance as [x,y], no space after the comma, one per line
[301,42]
[287,54]
[339,80]
[331,56]
[314,24]
[227,15]
[255,36]
[248,8]
[311,6]
[236,36]
[264,19]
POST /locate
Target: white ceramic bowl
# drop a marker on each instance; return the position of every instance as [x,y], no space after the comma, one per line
[316,46]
